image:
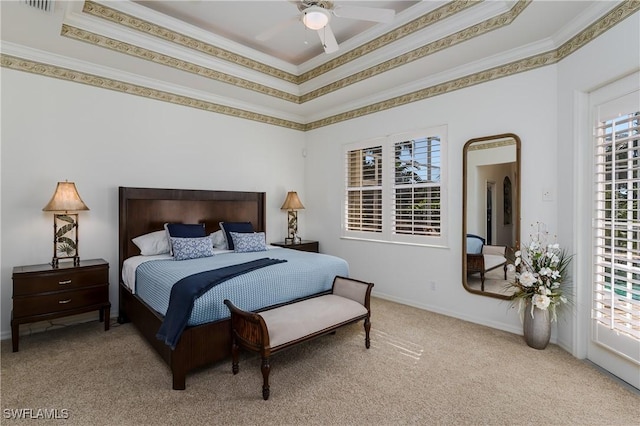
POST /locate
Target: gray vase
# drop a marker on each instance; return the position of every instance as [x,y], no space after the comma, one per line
[537,330]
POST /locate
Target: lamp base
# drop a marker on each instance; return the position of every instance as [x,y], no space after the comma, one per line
[293,240]
[55,262]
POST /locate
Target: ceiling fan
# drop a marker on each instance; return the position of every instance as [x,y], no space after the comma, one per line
[316,15]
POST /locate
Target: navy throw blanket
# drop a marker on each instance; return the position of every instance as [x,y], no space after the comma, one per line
[188,289]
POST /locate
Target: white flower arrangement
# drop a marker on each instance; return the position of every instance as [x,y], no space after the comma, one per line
[540,274]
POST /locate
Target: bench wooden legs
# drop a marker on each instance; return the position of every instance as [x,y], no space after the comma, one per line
[367,329]
[234,357]
[265,368]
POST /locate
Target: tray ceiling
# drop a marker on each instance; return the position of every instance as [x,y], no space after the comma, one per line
[205,53]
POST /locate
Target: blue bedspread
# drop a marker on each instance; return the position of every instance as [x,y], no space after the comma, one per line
[188,289]
[302,275]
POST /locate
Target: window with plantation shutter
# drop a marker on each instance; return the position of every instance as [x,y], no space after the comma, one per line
[616,288]
[364,190]
[416,187]
[394,188]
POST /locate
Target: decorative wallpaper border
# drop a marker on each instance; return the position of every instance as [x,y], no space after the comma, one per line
[428,49]
[442,88]
[615,16]
[159,58]
[445,11]
[129,21]
[33,67]
[424,21]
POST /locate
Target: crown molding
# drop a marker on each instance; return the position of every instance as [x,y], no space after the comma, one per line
[615,16]
[174,62]
[190,64]
[401,19]
[47,64]
[429,34]
[34,61]
[190,42]
[464,71]
[171,30]
[467,33]
[171,24]
[582,21]
[97,27]
[424,21]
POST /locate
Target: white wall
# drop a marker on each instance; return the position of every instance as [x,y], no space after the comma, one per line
[607,59]
[54,130]
[406,273]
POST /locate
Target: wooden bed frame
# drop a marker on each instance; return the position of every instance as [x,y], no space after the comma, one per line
[144,210]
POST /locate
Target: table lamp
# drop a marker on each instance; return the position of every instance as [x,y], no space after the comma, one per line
[65,224]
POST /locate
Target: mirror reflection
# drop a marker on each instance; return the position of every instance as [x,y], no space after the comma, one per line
[491,213]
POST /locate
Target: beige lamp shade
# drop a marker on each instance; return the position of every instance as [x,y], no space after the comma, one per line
[66,198]
[292,202]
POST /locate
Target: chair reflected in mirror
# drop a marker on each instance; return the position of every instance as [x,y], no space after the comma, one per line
[482,258]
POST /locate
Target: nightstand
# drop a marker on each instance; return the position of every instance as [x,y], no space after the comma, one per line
[305,245]
[41,292]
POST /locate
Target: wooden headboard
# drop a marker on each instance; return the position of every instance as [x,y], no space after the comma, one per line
[144,210]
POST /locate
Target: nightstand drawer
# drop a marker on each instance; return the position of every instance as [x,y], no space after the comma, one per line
[43,292]
[59,280]
[60,301]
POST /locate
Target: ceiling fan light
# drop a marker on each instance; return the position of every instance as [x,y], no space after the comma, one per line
[315,18]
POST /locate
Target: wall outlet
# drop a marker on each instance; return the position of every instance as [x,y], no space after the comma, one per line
[432,285]
[547,195]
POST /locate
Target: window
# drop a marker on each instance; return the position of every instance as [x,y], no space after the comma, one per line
[616,298]
[394,188]
[364,189]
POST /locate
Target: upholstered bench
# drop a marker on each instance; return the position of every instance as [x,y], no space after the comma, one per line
[273,330]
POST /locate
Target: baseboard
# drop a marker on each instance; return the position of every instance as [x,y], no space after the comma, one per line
[38,327]
[439,310]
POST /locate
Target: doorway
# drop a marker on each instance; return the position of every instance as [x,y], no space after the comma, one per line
[491,212]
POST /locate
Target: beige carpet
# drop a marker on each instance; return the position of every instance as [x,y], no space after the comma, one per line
[422,368]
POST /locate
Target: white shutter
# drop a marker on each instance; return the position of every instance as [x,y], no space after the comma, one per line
[416,187]
[363,204]
[616,287]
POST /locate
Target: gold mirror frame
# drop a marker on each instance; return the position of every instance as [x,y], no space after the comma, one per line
[495,141]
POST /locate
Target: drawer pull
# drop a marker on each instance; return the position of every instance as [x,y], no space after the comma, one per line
[64,282]
[62,302]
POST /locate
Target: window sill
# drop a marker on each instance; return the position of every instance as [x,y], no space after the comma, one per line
[402,243]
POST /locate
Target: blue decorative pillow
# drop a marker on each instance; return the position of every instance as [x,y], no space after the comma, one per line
[229,227]
[184,230]
[191,248]
[245,242]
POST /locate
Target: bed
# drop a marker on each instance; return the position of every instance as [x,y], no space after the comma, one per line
[145,210]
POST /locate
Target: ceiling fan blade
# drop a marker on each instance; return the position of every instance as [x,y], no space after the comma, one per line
[364,13]
[328,39]
[267,34]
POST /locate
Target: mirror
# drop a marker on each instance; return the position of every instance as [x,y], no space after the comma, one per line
[491,213]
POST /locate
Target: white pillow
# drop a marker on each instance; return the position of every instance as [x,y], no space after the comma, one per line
[218,240]
[152,243]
